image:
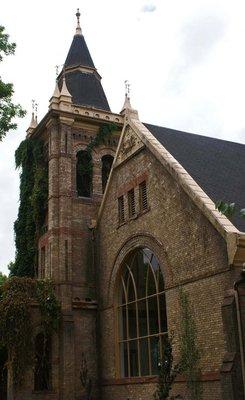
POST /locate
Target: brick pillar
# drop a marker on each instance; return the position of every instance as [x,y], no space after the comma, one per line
[65,213]
[53,199]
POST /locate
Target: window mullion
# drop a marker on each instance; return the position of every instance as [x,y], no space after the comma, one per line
[147,322]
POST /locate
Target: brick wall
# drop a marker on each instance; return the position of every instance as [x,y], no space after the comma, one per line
[192,255]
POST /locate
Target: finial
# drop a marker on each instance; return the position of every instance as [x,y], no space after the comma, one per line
[33,123]
[127,109]
[36,108]
[64,90]
[78,28]
[127,89]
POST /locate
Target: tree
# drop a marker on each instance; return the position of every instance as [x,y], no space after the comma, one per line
[8,110]
[229,209]
[3,278]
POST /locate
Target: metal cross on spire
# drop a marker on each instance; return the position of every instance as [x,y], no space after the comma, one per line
[78,28]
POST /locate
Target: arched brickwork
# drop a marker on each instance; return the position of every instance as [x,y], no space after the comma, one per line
[140,240]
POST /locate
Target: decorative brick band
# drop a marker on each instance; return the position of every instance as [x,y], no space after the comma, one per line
[61,231]
[206,377]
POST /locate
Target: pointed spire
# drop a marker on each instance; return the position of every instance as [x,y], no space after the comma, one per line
[56,93]
[64,90]
[127,104]
[127,108]
[78,28]
[33,122]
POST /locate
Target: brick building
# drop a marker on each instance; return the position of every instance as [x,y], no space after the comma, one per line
[131,220]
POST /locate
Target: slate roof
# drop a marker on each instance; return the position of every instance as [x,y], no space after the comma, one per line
[86,90]
[218,166]
[85,87]
[79,53]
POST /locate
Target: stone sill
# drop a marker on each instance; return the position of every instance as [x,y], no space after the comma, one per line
[134,217]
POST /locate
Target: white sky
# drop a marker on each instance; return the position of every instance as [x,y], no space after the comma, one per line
[185,61]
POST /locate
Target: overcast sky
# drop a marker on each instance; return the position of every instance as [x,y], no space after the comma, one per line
[185,61]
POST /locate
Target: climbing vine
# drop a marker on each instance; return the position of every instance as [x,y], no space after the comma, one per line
[30,157]
[168,371]
[105,132]
[18,295]
[190,354]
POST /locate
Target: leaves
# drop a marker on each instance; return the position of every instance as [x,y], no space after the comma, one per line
[190,354]
[5,47]
[242,212]
[168,371]
[229,209]
[16,324]
[8,110]
[30,157]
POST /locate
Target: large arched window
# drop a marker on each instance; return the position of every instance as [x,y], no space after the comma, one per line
[107,161]
[141,314]
[84,173]
[42,371]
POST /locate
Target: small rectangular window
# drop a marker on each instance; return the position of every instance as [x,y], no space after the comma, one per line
[121,214]
[131,203]
[143,196]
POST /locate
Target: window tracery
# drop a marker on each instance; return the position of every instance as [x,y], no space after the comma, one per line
[141,314]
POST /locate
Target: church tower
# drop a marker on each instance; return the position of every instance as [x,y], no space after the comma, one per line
[81,136]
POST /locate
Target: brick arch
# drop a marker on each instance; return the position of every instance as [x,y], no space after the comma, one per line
[143,239]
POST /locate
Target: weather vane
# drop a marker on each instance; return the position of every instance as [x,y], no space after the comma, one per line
[127,89]
[33,105]
[78,29]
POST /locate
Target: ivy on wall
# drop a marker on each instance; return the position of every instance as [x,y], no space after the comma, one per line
[105,132]
[30,157]
[168,371]
[17,333]
[190,353]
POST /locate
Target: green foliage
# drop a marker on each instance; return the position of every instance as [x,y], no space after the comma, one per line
[190,355]
[105,132]
[229,209]
[16,325]
[85,161]
[168,372]
[8,110]
[30,156]
[3,278]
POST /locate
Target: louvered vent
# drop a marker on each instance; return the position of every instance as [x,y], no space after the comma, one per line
[131,203]
[143,196]
[121,214]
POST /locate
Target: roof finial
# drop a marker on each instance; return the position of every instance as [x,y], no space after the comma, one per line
[127,89]
[36,107]
[78,28]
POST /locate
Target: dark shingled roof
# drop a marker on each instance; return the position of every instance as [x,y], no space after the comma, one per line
[79,53]
[86,90]
[218,166]
[85,87]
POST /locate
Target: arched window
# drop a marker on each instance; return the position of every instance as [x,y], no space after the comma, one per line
[42,371]
[84,173]
[107,161]
[141,314]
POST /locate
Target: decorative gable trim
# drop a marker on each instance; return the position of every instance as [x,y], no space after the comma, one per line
[228,231]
